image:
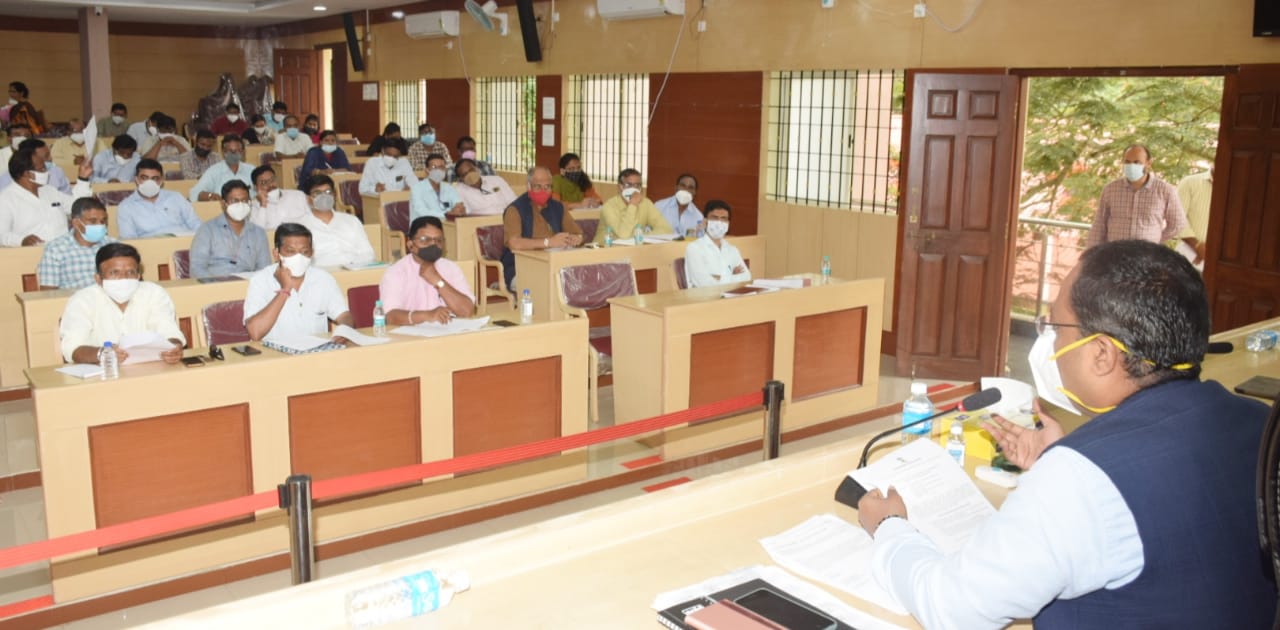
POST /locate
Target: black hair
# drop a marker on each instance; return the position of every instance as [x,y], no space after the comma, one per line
[424,221]
[319,179]
[232,185]
[717,204]
[21,162]
[285,230]
[257,172]
[229,138]
[205,133]
[690,176]
[397,143]
[462,140]
[124,141]
[328,132]
[627,172]
[230,105]
[21,88]
[279,105]
[311,117]
[437,156]
[148,164]
[115,250]
[391,128]
[119,106]
[458,163]
[165,122]
[424,126]
[19,126]
[257,118]
[32,144]
[79,206]
[156,115]
[288,116]
[1149,298]
[568,157]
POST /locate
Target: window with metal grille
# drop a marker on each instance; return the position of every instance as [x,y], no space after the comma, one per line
[835,138]
[506,121]
[607,119]
[404,103]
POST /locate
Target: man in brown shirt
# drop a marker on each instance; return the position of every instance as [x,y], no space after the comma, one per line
[536,221]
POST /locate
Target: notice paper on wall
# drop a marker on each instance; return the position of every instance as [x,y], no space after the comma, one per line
[370,91]
[548,135]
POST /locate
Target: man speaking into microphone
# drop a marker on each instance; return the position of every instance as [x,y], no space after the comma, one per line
[1141,518]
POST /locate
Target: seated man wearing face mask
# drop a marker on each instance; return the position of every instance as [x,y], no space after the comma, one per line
[232,166]
[292,143]
[69,148]
[117,304]
[227,243]
[117,124]
[630,211]
[712,260]
[390,171]
[117,164]
[536,221]
[339,238]
[166,145]
[21,136]
[481,195]
[433,196]
[292,297]
[230,123]
[323,159]
[467,151]
[1144,516]
[679,209]
[428,144]
[144,129]
[273,205]
[68,261]
[153,211]
[198,160]
[31,211]
[425,286]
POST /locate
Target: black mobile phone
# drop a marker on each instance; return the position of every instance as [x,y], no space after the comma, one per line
[504,323]
[784,611]
[1261,387]
[192,361]
[246,350]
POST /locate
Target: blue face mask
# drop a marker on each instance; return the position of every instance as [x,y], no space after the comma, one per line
[428,138]
[94,233]
[48,166]
[292,132]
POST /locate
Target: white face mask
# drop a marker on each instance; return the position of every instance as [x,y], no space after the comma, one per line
[238,211]
[1044,369]
[13,102]
[14,141]
[436,175]
[149,188]
[40,179]
[297,264]
[233,117]
[1134,172]
[717,229]
[117,119]
[683,197]
[274,195]
[121,160]
[77,137]
[389,161]
[260,130]
[328,148]
[152,131]
[628,193]
[278,117]
[120,290]
[165,135]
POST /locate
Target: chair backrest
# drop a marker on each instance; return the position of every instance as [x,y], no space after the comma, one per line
[398,216]
[589,287]
[589,227]
[173,174]
[350,191]
[682,281]
[182,263]
[357,167]
[224,323]
[113,197]
[361,300]
[297,174]
[1268,499]
[489,241]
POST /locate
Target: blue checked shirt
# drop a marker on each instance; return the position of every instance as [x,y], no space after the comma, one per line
[217,251]
[66,263]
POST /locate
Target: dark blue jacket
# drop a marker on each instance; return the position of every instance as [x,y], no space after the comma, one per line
[553,213]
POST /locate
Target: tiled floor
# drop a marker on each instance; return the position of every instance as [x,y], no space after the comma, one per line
[22,513]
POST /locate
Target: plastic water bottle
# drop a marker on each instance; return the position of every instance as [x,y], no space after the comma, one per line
[955,443]
[1261,340]
[917,407]
[403,598]
[638,235]
[379,320]
[110,361]
[826,270]
[608,236]
[526,307]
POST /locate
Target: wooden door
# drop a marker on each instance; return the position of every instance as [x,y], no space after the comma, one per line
[955,225]
[298,81]
[1242,267]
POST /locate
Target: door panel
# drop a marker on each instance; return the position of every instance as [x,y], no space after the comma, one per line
[298,81]
[956,218]
[1242,270]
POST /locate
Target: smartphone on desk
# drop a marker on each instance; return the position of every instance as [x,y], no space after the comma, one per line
[192,361]
[245,350]
[784,611]
[504,323]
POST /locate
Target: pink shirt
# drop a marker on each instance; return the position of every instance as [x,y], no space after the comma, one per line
[403,289]
[1150,213]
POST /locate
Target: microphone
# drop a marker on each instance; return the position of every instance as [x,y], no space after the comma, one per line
[1220,347]
[973,402]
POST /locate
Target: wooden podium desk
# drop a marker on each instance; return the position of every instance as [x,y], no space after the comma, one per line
[537,269]
[164,438]
[680,349]
[461,232]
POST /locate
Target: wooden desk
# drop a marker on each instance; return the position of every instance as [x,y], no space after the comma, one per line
[461,232]
[205,210]
[680,349]
[1241,365]
[537,270]
[165,437]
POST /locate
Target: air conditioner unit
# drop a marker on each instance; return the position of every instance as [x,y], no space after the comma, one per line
[433,24]
[637,9]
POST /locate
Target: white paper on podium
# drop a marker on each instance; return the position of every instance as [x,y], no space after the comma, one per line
[835,552]
[82,370]
[942,502]
[357,337]
[143,347]
[432,329]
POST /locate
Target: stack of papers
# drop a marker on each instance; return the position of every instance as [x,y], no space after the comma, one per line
[82,370]
[783,283]
[298,343]
[357,337]
[433,329]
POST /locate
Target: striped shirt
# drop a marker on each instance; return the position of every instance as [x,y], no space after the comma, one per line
[67,264]
[1150,213]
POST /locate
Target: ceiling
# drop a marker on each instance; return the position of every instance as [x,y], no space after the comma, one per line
[210,12]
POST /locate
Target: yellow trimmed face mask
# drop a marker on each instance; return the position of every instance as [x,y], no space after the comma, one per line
[1044,367]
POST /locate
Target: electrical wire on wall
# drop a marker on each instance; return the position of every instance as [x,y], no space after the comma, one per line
[697,17]
[670,64]
[963,24]
[463,57]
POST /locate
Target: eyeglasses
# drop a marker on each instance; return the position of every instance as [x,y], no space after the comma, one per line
[429,240]
[1043,324]
[116,274]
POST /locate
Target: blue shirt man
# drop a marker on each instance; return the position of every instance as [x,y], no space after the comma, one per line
[429,198]
[232,166]
[153,211]
[117,164]
[679,210]
[229,243]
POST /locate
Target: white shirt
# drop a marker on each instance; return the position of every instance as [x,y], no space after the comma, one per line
[339,242]
[92,318]
[309,308]
[45,215]
[292,146]
[493,196]
[703,260]
[1064,532]
[394,178]
[289,208]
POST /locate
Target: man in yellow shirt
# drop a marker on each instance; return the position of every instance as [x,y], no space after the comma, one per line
[70,148]
[630,210]
[1195,192]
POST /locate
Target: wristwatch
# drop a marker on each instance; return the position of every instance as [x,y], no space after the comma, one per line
[439,284]
[546,242]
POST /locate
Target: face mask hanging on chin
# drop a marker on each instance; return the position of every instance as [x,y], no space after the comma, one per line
[1048,379]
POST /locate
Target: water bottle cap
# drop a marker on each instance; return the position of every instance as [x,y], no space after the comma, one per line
[526,292]
[460,580]
[106,344]
[919,388]
[957,428]
[377,303]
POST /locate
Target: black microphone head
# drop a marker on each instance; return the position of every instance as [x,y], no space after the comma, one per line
[1221,347]
[984,398]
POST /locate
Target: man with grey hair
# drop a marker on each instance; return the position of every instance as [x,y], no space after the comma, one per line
[1137,206]
[536,221]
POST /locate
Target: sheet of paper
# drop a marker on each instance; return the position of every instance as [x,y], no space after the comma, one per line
[359,266]
[548,108]
[432,329]
[300,343]
[941,500]
[370,91]
[778,283]
[357,337]
[835,552]
[143,347]
[1015,398]
[247,275]
[783,580]
[90,139]
[661,238]
[548,135]
[82,370]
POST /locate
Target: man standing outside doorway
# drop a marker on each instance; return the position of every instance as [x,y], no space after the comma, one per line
[1137,206]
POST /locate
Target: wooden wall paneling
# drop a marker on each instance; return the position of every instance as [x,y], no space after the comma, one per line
[449,109]
[775,227]
[828,352]
[549,86]
[166,463]
[355,430]
[804,251]
[729,362]
[708,124]
[364,118]
[505,405]
[875,233]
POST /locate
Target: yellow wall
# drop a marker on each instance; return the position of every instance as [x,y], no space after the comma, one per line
[49,63]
